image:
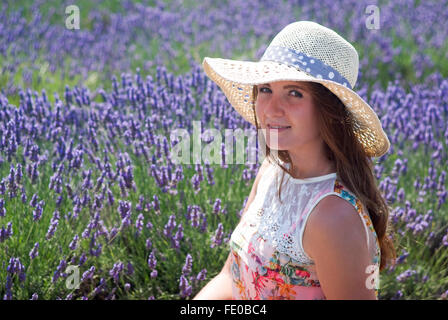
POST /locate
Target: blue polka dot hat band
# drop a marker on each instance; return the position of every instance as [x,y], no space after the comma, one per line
[305,63]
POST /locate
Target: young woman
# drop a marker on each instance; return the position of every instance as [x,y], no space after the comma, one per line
[325,236]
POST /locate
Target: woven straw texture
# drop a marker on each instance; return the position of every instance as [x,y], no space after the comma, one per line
[236,78]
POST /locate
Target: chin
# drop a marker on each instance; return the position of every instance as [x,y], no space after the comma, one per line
[279,148]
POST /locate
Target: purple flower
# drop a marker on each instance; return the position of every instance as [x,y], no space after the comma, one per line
[195,181]
[2,187]
[444,295]
[155,175]
[217,238]
[441,198]
[95,252]
[116,270]
[128,178]
[445,240]
[6,233]
[186,270]
[199,170]
[88,274]
[82,259]
[8,287]
[101,286]
[53,225]
[60,268]
[175,241]
[184,287]
[405,275]
[2,208]
[217,206]
[23,196]
[140,205]
[203,227]
[37,213]
[156,204]
[139,224]
[209,170]
[152,261]
[35,251]
[148,244]
[12,185]
[110,197]
[121,183]
[34,174]
[130,269]
[74,244]
[398,295]
[202,275]
[403,257]
[17,268]
[171,224]
[124,208]
[113,232]
[194,216]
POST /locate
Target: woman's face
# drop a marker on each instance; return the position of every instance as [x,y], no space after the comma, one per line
[287,103]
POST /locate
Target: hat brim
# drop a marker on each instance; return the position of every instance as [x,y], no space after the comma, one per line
[236,79]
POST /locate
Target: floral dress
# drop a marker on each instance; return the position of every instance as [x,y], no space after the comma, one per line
[268,259]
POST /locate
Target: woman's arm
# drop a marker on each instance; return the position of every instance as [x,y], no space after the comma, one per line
[220,287]
[335,239]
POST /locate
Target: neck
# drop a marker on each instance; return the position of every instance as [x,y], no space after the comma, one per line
[307,164]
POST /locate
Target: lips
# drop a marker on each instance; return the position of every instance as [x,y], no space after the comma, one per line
[277,130]
[271,126]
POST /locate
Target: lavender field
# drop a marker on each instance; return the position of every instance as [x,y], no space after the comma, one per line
[87,183]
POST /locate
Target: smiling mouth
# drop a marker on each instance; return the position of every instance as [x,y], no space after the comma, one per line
[274,130]
[277,127]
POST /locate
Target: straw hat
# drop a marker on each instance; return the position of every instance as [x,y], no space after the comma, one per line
[302,51]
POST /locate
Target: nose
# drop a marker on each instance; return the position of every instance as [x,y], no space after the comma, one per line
[273,108]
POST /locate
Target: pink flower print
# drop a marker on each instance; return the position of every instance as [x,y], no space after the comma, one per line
[302,273]
[240,286]
[259,282]
[275,276]
[251,251]
[287,291]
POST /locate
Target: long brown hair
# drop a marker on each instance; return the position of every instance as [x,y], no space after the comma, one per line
[354,168]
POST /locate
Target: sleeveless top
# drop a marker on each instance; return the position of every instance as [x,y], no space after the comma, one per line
[268,259]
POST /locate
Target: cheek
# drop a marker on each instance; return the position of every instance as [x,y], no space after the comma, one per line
[258,103]
[305,123]
[258,111]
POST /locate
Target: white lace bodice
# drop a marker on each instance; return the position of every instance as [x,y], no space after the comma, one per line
[281,225]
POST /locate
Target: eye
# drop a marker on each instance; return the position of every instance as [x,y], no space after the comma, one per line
[298,94]
[262,88]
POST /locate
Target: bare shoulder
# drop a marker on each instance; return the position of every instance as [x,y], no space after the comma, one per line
[333,220]
[336,242]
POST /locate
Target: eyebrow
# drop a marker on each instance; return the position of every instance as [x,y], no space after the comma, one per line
[289,86]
